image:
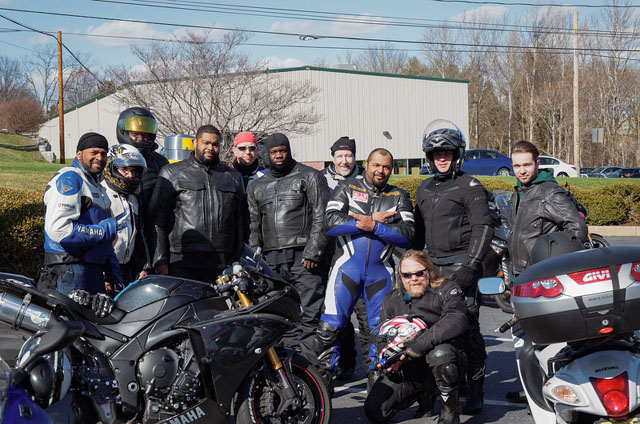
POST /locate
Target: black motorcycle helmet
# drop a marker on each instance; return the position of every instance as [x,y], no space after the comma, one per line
[443,135]
[122,156]
[554,244]
[140,120]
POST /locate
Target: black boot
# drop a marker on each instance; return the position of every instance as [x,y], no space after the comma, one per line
[475,397]
[449,406]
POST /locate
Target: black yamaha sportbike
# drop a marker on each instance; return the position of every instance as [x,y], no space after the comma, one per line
[176,351]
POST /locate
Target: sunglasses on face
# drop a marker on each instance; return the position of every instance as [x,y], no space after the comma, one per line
[243,148]
[408,275]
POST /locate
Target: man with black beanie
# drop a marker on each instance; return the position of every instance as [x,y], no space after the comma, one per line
[78,226]
[344,165]
[199,210]
[286,208]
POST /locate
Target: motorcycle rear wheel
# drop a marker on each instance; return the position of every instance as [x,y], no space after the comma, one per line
[504,301]
[256,402]
[598,241]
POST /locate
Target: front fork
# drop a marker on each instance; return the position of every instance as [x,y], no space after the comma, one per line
[290,398]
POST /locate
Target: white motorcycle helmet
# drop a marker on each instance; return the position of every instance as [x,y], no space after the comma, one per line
[395,331]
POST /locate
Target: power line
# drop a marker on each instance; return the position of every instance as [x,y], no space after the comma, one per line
[333,37]
[502,3]
[313,15]
[17,46]
[63,45]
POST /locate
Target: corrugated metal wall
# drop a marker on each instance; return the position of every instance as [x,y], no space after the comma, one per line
[359,105]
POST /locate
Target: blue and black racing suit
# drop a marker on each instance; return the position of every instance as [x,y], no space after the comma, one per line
[362,264]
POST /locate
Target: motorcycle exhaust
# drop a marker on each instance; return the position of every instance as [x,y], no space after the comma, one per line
[21,313]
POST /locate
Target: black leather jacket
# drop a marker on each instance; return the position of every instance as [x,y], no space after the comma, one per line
[288,211]
[441,308]
[544,207]
[452,220]
[198,209]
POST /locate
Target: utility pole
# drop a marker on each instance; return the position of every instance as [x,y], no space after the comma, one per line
[60,100]
[576,108]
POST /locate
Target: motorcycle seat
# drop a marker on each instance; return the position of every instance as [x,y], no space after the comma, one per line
[83,311]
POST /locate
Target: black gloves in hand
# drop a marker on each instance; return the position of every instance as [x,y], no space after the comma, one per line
[100,303]
[465,276]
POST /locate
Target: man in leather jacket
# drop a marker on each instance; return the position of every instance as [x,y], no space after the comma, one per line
[453,223]
[138,127]
[286,208]
[538,206]
[370,218]
[245,158]
[432,354]
[344,164]
[199,207]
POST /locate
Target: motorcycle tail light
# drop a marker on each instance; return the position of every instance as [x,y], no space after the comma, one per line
[566,394]
[547,287]
[635,271]
[613,393]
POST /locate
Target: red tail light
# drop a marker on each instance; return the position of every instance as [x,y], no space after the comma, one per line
[635,271]
[613,393]
[547,287]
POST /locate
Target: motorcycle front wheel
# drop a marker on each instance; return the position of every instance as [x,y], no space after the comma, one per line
[257,402]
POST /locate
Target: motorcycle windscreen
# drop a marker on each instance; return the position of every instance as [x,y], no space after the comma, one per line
[230,347]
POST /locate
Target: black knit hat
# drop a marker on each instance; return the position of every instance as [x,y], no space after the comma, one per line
[344,143]
[277,140]
[91,140]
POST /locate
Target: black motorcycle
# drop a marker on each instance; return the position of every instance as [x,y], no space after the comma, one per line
[497,262]
[178,351]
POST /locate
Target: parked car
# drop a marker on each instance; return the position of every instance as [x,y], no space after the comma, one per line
[584,172]
[560,168]
[630,173]
[610,172]
[486,162]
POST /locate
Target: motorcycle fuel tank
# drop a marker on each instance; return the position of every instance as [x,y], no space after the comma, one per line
[580,295]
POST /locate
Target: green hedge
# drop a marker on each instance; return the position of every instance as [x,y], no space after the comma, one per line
[22,221]
[21,231]
[613,204]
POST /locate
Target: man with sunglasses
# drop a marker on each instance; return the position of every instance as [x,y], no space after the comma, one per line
[245,160]
[199,211]
[137,127]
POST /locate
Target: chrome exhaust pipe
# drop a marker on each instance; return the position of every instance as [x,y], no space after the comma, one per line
[21,313]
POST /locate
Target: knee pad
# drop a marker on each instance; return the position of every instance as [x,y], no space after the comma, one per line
[441,354]
[447,374]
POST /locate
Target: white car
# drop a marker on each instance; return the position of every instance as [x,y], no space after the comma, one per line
[560,168]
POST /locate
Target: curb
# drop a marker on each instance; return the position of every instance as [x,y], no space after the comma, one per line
[615,230]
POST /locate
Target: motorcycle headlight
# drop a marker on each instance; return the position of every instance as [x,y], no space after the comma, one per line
[566,394]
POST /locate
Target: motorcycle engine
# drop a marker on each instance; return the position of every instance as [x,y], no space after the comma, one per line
[169,380]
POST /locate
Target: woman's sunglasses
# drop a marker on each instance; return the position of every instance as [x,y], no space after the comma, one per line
[407,275]
[243,148]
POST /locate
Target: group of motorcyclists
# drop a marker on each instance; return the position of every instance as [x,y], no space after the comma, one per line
[119,213]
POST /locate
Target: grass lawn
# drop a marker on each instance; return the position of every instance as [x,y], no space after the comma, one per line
[583,183]
[21,165]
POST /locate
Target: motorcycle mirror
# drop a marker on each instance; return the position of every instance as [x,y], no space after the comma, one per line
[59,334]
[491,285]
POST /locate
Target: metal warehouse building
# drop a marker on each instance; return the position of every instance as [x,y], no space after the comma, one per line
[378,110]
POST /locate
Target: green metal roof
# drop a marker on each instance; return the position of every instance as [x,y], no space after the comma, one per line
[375,74]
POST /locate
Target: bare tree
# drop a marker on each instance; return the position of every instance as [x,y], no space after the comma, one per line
[196,81]
[41,74]
[384,58]
[12,82]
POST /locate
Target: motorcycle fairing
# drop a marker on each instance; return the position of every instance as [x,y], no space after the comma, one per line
[227,348]
[203,412]
[598,364]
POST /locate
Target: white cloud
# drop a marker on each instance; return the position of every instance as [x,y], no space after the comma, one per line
[481,13]
[341,27]
[118,28]
[274,62]
[40,39]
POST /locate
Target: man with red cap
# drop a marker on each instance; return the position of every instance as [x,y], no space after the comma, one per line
[245,160]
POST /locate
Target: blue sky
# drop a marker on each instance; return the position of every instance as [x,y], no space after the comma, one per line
[111,51]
